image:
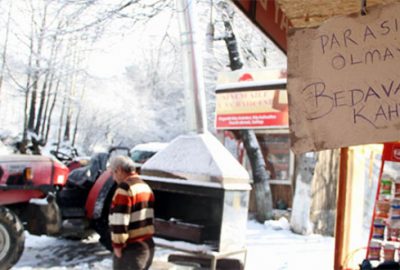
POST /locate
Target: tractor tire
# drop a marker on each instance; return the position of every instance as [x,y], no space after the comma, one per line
[101,227]
[12,238]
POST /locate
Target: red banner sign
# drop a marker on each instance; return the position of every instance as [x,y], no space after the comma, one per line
[258,120]
[391,152]
[245,109]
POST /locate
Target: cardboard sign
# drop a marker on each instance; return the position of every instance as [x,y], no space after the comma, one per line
[344,81]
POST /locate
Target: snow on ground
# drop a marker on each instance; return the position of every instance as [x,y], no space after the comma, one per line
[270,246]
[275,247]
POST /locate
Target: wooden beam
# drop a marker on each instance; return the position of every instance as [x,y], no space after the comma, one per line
[341,210]
[268,17]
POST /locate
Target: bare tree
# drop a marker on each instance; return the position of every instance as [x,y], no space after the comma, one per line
[24,141]
[260,175]
[68,98]
[4,54]
[37,71]
[47,85]
[323,192]
[47,98]
[78,114]
[50,114]
[60,126]
[49,71]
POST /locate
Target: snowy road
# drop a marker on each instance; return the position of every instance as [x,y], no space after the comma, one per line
[57,253]
[268,248]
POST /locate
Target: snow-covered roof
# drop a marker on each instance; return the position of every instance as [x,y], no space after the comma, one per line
[252,85]
[196,157]
[151,146]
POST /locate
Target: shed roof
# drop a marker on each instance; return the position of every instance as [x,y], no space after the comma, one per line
[309,13]
[272,17]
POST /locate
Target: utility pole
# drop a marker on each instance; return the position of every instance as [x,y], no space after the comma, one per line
[193,68]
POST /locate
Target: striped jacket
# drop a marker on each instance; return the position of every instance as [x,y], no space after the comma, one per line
[132,214]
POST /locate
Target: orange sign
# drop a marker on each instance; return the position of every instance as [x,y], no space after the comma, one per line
[244,109]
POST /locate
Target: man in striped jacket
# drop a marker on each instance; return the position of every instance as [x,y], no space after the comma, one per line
[131,217]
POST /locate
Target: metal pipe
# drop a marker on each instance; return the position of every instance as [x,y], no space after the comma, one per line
[192,68]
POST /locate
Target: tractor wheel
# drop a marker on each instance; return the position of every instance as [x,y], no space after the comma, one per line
[101,227]
[101,224]
[12,238]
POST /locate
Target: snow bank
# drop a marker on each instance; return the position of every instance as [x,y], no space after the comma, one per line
[281,224]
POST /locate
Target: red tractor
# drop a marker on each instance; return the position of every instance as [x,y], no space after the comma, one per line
[40,195]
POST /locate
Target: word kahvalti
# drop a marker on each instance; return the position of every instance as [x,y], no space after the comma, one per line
[375,105]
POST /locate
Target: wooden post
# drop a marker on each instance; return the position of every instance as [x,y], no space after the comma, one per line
[340,209]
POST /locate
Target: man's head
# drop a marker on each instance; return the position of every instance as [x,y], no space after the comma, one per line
[121,167]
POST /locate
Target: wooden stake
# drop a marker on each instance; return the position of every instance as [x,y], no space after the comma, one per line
[340,209]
